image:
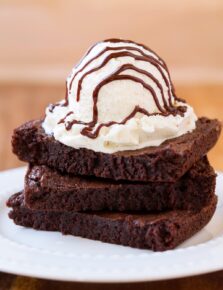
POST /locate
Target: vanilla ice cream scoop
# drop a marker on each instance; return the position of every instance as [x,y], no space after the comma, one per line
[119,97]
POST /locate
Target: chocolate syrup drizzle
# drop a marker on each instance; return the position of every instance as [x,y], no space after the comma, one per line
[168,107]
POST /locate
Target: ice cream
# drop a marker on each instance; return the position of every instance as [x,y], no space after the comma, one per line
[119,97]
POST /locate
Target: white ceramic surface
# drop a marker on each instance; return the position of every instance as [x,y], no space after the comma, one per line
[53,256]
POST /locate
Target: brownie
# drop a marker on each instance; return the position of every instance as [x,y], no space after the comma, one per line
[47,189]
[167,162]
[158,232]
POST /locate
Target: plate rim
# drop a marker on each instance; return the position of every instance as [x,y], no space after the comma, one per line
[35,272]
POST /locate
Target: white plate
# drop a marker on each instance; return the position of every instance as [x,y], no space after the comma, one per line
[53,256]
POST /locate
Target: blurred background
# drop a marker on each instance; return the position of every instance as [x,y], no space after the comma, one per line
[40,41]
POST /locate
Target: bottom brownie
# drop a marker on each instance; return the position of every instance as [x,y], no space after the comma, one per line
[158,232]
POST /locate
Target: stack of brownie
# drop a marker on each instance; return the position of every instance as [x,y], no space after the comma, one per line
[154,198]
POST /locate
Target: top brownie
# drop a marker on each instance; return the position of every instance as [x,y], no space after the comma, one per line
[167,162]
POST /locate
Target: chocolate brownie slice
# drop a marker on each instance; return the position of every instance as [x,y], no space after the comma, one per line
[159,232]
[47,189]
[167,162]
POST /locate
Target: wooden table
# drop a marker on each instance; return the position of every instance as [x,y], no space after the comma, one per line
[20,102]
